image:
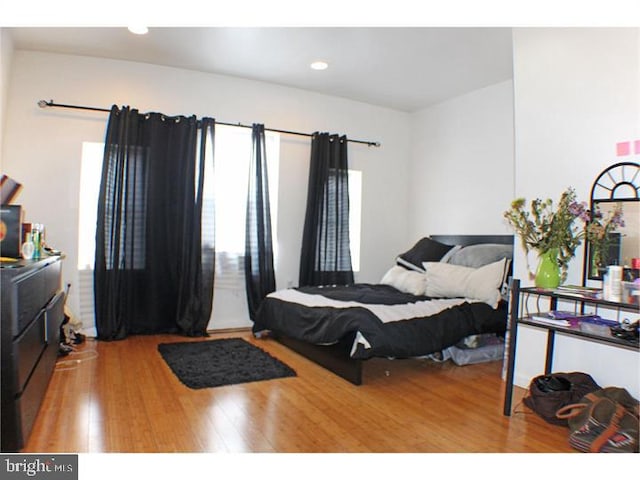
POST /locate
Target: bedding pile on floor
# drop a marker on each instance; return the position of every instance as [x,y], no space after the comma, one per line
[473,349]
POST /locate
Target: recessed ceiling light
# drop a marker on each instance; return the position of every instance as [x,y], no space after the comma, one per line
[319,65]
[138,29]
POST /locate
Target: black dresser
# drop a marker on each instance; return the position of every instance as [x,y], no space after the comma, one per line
[32,312]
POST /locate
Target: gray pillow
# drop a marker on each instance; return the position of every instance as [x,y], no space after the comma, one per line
[476,256]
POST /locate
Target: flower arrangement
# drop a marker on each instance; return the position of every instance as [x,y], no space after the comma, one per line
[545,229]
[599,230]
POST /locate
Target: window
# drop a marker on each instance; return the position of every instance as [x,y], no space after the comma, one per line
[90,173]
[228,184]
[355,217]
[230,180]
[227,181]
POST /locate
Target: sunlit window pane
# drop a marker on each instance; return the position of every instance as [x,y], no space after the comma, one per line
[355,216]
[90,173]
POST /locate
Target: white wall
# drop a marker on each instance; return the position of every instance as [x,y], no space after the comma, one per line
[576,95]
[6,56]
[43,147]
[462,164]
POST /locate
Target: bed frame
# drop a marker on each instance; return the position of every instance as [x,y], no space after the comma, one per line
[336,358]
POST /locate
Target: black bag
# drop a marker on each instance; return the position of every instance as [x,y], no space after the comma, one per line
[603,421]
[549,393]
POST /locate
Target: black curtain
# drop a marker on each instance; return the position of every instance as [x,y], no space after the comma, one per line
[152,273]
[258,259]
[325,258]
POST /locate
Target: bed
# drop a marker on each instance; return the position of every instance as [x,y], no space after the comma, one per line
[441,291]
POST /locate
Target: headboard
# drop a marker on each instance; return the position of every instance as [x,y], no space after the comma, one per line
[466,240]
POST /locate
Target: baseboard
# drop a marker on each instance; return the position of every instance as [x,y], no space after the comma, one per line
[229,330]
[90,332]
[93,333]
[521,381]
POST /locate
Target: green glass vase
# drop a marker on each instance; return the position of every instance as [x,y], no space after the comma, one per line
[548,273]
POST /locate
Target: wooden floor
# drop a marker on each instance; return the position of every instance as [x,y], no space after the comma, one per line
[122,397]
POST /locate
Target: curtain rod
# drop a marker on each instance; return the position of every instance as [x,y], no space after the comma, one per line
[50,103]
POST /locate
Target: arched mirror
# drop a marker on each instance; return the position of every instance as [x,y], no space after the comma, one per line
[615,195]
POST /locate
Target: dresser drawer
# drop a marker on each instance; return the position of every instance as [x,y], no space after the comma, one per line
[29,292]
[28,347]
[54,316]
[32,292]
[28,402]
[52,276]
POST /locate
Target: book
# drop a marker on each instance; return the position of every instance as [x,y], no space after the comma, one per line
[552,319]
[10,230]
[591,292]
[566,318]
[9,189]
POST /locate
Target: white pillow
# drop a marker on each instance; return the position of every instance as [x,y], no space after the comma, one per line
[407,281]
[453,281]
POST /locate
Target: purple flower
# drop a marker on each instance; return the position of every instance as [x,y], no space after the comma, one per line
[617,219]
[579,210]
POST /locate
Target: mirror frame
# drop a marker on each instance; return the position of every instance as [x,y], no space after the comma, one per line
[623,176]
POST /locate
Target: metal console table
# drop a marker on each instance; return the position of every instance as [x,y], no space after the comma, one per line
[520,316]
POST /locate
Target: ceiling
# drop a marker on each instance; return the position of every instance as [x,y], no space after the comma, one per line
[404,68]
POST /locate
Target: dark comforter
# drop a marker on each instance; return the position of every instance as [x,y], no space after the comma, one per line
[383,321]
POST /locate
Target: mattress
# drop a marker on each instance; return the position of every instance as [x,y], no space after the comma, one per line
[383,321]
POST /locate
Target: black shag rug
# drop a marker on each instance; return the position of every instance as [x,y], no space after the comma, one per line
[214,363]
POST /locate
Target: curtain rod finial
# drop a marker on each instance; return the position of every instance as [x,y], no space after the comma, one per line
[43,103]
